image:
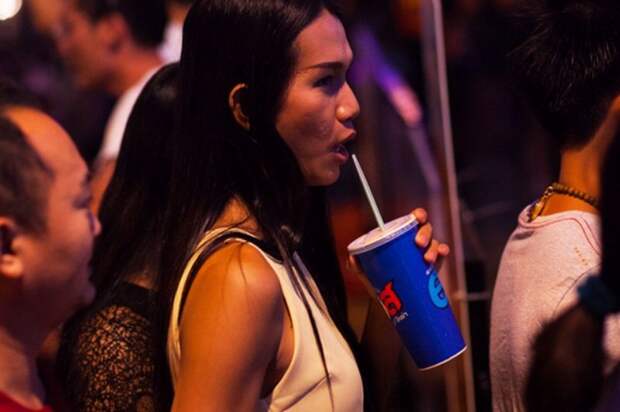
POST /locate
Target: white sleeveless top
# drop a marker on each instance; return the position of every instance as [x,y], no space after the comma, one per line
[303,387]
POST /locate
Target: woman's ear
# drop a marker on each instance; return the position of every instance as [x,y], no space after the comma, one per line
[235,100]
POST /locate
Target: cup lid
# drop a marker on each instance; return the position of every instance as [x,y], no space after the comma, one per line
[378,237]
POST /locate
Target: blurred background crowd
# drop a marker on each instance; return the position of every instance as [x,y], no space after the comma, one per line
[503,159]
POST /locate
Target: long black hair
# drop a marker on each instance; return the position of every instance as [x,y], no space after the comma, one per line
[215,160]
[133,207]
[131,214]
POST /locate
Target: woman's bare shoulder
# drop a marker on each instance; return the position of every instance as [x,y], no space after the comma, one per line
[230,329]
[236,284]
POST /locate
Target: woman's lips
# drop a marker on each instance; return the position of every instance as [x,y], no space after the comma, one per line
[341,151]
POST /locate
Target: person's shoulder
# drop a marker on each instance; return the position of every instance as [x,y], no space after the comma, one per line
[114,334]
[554,233]
[543,256]
[230,329]
[237,277]
[569,221]
[234,307]
[242,265]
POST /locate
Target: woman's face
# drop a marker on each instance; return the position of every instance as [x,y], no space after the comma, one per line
[318,108]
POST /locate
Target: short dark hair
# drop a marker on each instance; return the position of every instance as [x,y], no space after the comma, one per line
[146,18]
[23,178]
[11,94]
[569,65]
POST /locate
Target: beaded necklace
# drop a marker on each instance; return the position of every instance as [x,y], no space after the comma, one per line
[560,189]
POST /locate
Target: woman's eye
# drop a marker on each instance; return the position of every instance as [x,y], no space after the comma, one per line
[324,81]
[84,203]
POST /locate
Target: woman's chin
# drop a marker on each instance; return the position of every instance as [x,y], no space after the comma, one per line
[324,178]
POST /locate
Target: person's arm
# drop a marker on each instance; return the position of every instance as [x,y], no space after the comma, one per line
[230,331]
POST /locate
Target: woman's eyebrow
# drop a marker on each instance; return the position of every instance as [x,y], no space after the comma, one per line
[333,65]
[336,65]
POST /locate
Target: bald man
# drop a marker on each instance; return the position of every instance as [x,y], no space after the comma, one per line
[46,238]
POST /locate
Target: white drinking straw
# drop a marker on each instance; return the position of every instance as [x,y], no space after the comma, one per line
[369,196]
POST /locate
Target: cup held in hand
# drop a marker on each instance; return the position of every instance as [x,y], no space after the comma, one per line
[410,292]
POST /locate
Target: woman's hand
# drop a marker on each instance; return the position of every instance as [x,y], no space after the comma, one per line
[434,251]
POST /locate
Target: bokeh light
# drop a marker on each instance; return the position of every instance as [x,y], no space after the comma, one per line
[9,8]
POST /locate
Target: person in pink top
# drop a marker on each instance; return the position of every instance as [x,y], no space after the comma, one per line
[568,68]
[46,238]
[569,371]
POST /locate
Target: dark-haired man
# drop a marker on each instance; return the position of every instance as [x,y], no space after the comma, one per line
[569,69]
[46,238]
[112,45]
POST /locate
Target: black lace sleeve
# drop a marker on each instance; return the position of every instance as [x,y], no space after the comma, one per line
[110,362]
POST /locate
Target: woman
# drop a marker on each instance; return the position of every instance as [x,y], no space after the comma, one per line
[263,116]
[108,354]
[265,113]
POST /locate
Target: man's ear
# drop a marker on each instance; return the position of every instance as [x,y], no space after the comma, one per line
[112,31]
[11,265]
[235,102]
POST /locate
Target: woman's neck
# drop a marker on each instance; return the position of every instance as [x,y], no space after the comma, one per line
[237,214]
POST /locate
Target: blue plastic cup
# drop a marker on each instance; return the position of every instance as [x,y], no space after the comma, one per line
[410,292]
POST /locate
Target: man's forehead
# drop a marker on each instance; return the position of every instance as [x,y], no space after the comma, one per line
[47,138]
[71,7]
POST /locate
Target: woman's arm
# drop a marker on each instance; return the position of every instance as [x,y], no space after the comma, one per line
[230,331]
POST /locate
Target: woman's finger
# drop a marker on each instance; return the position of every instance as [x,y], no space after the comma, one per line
[424,235]
[431,254]
[443,250]
[420,215]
